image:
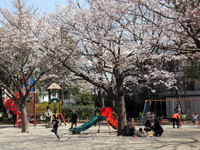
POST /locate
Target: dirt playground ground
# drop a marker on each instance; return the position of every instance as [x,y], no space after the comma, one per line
[185,138]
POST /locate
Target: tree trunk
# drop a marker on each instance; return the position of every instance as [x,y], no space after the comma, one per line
[95,101]
[62,95]
[113,104]
[101,97]
[121,109]
[179,99]
[104,98]
[112,101]
[24,118]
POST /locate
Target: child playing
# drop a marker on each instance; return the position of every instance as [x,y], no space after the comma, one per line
[149,134]
[195,116]
[183,116]
[153,116]
[140,133]
[55,126]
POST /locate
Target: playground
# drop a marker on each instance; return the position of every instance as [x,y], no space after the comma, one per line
[94,134]
[42,138]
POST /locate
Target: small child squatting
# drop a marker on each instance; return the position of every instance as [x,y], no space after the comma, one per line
[55,126]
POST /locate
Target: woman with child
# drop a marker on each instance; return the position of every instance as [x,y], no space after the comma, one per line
[130,127]
[155,126]
[158,130]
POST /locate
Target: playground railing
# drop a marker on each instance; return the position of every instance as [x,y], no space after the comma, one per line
[165,120]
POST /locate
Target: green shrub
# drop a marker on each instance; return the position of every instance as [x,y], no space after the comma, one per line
[82,111]
[45,102]
[84,99]
[3,118]
[141,113]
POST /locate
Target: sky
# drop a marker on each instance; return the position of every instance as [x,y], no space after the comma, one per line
[44,5]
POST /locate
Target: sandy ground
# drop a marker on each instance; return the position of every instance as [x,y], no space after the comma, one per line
[185,138]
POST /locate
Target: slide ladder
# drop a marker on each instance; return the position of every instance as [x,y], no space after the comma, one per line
[111,117]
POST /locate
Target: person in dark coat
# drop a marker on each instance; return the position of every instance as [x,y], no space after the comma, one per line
[178,109]
[158,130]
[148,125]
[55,126]
[74,118]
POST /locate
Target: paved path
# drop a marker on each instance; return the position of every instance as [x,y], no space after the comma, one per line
[42,138]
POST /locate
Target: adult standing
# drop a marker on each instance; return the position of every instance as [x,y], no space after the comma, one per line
[74,118]
[48,116]
[178,109]
[176,118]
[158,130]
[130,127]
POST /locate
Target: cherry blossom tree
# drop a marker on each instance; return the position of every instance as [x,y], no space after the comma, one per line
[180,20]
[118,41]
[20,40]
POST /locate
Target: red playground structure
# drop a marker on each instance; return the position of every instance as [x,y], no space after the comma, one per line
[111,118]
[13,107]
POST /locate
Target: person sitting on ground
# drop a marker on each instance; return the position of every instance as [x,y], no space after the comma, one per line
[195,116]
[155,126]
[149,134]
[148,125]
[130,127]
[176,118]
[183,116]
[140,133]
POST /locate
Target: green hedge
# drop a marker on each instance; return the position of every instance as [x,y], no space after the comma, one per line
[82,111]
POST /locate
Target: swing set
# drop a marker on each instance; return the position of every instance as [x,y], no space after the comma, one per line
[170,100]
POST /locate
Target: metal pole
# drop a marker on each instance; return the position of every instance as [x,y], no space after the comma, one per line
[108,125]
[173,106]
[34,110]
[143,112]
[17,118]
[95,101]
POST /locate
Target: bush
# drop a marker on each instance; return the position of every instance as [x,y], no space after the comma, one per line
[84,99]
[3,118]
[82,111]
[45,102]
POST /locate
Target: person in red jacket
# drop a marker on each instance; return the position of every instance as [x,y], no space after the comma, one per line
[176,118]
